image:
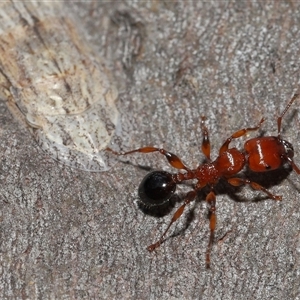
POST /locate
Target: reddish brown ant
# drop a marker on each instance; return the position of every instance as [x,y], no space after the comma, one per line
[260,154]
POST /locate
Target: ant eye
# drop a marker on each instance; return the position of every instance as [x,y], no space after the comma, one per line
[156,188]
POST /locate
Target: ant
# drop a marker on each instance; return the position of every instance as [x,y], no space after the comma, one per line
[261,154]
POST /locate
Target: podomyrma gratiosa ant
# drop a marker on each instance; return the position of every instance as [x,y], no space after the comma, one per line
[261,154]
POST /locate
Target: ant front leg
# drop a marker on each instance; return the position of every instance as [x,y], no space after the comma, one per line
[173,159]
[238,134]
[294,166]
[189,197]
[240,181]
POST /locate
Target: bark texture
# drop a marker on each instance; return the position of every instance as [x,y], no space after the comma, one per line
[69,234]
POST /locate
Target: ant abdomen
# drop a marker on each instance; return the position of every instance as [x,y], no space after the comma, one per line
[156,188]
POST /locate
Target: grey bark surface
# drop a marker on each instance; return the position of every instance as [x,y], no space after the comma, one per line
[69,234]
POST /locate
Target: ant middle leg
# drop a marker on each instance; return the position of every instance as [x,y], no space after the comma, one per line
[173,159]
[238,134]
[240,181]
[205,141]
[211,199]
[189,197]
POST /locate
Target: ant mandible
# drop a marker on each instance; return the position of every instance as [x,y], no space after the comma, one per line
[260,154]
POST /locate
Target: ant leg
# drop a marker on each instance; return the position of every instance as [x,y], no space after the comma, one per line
[189,197]
[173,159]
[294,166]
[211,199]
[283,113]
[238,134]
[239,181]
[205,142]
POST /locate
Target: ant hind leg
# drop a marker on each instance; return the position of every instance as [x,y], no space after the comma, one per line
[173,159]
[189,197]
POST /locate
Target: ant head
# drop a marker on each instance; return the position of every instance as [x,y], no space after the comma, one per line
[289,150]
[157,188]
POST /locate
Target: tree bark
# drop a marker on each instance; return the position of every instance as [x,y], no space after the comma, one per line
[70,234]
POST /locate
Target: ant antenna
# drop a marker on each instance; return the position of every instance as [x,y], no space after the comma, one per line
[283,113]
